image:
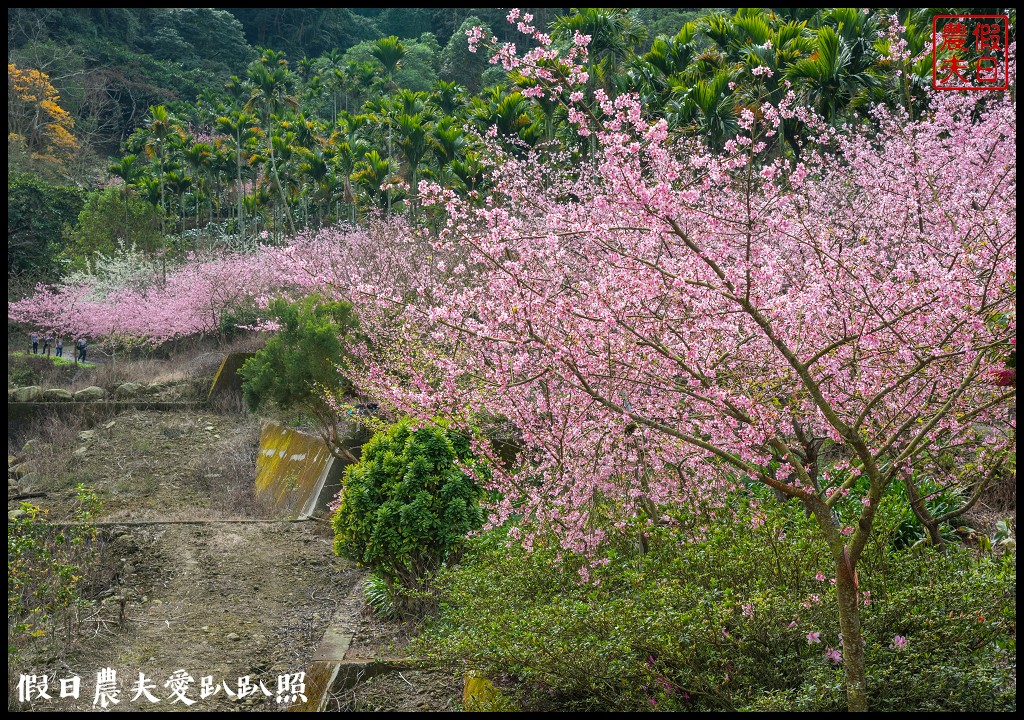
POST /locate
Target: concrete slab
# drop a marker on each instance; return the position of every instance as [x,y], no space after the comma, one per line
[296,471]
[227,380]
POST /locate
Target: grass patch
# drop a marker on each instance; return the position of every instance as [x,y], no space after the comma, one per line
[50,453]
[57,361]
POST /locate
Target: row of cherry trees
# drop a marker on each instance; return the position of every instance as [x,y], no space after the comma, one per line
[128,305]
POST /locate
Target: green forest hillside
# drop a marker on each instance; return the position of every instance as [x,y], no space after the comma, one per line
[166,131]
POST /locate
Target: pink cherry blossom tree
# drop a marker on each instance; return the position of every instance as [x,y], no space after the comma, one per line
[128,308]
[190,300]
[668,324]
[664,324]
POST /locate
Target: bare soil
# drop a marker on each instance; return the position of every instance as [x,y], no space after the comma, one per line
[223,599]
[401,691]
[409,687]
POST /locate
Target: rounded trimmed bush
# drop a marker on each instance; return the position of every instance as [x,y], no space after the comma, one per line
[407,505]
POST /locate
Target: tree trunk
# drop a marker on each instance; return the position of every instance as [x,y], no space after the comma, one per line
[853,641]
[280,191]
[241,190]
[413,192]
[127,222]
[926,519]
[163,207]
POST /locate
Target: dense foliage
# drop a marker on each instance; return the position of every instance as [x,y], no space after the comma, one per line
[51,570]
[297,367]
[728,609]
[304,128]
[405,508]
[39,214]
[112,219]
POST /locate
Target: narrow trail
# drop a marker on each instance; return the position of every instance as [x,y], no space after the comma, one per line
[206,584]
[150,523]
[203,583]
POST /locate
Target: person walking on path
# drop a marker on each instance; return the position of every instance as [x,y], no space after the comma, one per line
[59,352]
[47,339]
[82,345]
[35,342]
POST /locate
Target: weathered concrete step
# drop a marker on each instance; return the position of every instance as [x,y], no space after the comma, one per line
[330,671]
[20,413]
[328,677]
[297,472]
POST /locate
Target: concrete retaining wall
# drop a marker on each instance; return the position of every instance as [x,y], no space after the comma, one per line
[296,471]
[19,414]
[227,381]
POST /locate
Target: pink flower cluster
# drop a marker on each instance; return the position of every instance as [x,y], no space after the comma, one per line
[631,332]
[648,320]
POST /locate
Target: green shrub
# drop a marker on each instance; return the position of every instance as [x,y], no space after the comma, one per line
[720,613]
[906,528]
[407,505]
[22,376]
[896,522]
[50,570]
[28,369]
[298,367]
[380,597]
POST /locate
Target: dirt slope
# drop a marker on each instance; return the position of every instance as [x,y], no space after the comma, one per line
[223,600]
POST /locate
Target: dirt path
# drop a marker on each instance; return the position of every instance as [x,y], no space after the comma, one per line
[219,600]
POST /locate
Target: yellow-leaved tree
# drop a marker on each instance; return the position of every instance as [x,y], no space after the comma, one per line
[38,128]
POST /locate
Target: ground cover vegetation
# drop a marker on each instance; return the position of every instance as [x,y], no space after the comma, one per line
[741,620]
[726,310]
